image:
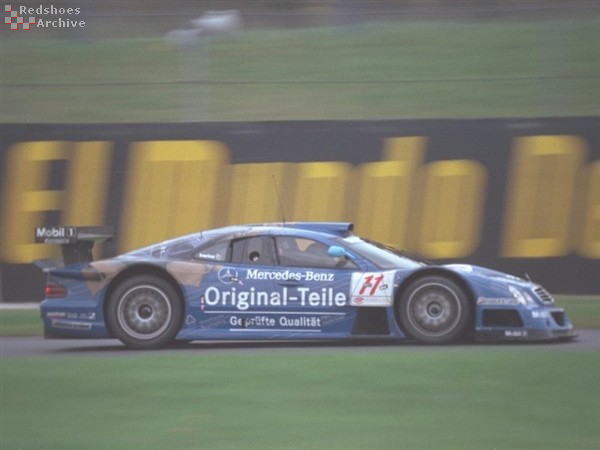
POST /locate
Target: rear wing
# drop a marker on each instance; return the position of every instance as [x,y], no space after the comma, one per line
[76,242]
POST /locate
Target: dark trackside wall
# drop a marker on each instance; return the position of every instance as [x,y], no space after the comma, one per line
[521,196]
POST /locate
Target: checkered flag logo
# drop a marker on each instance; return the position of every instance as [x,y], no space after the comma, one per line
[14,20]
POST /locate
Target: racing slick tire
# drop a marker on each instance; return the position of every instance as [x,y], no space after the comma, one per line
[434,310]
[144,312]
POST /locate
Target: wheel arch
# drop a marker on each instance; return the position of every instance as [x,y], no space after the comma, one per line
[442,272]
[141,269]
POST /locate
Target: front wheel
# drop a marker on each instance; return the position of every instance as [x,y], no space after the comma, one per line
[434,310]
[144,312]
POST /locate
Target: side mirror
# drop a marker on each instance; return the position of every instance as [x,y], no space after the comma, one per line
[337,252]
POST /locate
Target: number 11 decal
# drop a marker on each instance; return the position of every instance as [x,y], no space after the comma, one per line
[369,284]
[372,289]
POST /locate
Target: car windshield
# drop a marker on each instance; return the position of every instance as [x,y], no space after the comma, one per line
[382,256]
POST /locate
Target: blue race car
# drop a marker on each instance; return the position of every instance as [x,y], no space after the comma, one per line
[283,281]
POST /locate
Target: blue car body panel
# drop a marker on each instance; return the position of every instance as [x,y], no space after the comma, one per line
[224,298]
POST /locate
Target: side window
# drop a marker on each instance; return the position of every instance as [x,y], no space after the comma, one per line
[258,250]
[302,252]
[181,250]
[215,252]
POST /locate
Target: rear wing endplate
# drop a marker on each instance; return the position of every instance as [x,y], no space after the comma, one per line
[76,242]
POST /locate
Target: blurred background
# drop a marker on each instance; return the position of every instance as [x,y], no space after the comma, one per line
[177,60]
[468,129]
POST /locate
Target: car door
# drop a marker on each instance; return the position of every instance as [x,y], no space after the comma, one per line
[243,296]
[317,287]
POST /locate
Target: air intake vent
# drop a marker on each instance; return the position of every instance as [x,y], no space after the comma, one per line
[544,295]
[559,318]
[506,318]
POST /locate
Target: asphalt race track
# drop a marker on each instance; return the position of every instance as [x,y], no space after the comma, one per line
[37,346]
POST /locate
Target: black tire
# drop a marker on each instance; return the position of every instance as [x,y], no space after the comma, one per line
[144,312]
[434,310]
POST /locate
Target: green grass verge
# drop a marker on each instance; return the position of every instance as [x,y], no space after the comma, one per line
[391,397]
[584,312]
[391,70]
[385,398]
[20,323]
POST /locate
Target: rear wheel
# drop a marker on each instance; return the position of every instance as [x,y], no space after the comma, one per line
[434,310]
[144,312]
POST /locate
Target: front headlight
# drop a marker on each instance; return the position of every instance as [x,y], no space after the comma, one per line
[522,297]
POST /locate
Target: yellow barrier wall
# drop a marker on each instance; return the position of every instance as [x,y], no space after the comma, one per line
[520,196]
